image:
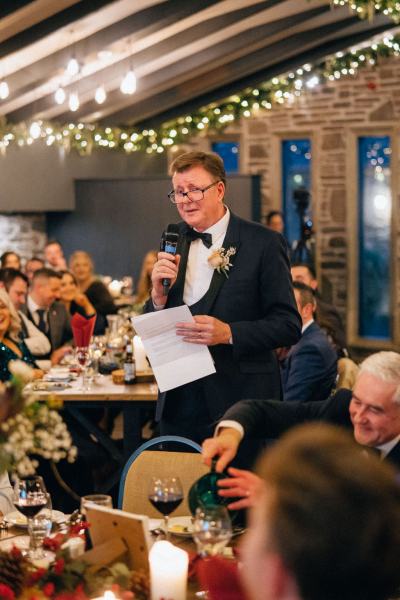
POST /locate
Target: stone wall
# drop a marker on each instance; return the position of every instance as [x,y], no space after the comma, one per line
[24,234]
[332,116]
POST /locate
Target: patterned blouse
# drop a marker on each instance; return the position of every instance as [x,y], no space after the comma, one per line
[6,354]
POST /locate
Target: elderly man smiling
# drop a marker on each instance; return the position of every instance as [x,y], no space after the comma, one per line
[372,411]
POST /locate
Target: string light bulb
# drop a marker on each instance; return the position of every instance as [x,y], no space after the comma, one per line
[35,130]
[128,84]
[4,90]
[73,67]
[100,95]
[73,102]
[60,96]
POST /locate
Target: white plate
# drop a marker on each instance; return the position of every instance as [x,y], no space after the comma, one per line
[18,520]
[180,526]
[49,386]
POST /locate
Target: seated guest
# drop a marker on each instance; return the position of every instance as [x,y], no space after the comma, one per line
[54,256]
[10,259]
[32,265]
[47,313]
[325,523]
[11,347]
[310,367]
[326,314]
[144,283]
[81,266]
[16,285]
[371,410]
[274,221]
[73,300]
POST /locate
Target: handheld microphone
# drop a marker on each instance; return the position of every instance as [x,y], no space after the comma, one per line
[169,243]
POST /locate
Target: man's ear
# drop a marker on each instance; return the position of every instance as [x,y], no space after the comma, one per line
[2,285]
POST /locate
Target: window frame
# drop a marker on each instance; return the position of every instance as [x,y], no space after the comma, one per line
[353,237]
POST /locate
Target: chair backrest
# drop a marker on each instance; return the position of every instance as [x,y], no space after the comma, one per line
[144,464]
[347,373]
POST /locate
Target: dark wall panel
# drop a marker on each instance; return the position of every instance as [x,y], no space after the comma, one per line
[117,221]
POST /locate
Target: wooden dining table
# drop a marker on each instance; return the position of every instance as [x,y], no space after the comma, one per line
[132,400]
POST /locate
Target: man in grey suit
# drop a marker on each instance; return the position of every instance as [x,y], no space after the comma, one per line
[47,313]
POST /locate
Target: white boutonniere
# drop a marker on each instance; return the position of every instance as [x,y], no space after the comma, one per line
[219,259]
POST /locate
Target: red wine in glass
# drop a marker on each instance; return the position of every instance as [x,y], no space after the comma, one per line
[165,494]
[30,508]
[30,497]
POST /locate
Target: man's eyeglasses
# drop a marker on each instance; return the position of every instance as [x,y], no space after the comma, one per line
[191,195]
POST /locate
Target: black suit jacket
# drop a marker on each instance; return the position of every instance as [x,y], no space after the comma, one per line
[257,301]
[269,419]
[309,371]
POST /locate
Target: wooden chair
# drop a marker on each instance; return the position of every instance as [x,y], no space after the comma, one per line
[347,373]
[144,464]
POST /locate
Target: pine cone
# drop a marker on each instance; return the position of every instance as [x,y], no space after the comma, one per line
[140,584]
[13,570]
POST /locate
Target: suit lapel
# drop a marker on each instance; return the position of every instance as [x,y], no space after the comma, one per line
[218,279]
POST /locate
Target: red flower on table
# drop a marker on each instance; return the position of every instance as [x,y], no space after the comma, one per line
[59,566]
[6,593]
[36,576]
[48,589]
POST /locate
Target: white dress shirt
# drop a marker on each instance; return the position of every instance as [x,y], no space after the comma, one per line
[386,448]
[198,271]
[37,343]
[33,308]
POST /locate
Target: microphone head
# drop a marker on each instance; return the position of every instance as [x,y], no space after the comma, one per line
[173,228]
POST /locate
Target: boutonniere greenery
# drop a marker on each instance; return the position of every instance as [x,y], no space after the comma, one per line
[219,259]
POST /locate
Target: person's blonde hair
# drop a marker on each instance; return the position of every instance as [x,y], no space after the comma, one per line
[144,281]
[15,322]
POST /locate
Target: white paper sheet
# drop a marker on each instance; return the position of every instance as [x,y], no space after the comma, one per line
[174,362]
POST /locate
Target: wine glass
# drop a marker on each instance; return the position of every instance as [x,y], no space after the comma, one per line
[40,527]
[212,530]
[82,356]
[165,494]
[30,497]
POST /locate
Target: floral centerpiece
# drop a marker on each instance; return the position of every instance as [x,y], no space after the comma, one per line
[66,578]
[30,428]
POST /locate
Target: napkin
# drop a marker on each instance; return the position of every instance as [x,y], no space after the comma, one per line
[82,329]
[220,578]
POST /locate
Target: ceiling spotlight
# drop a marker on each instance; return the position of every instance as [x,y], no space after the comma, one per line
[128,84]
[73,67]
[35,130]
[100,95]
[4,90]
[60,96]
[73,102]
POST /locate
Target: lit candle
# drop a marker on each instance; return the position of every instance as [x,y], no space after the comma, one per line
[168,571]
[140,354]
[115,287]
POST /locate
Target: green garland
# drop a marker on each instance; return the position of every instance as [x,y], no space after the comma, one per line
[212,118]
[366,9]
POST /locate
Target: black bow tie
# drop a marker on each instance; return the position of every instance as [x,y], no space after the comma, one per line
[206,238]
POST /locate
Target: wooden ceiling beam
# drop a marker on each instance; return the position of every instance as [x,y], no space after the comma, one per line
[30,15]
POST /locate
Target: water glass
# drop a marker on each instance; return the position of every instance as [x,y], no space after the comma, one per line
[212,530]
[99,499]
[39,528]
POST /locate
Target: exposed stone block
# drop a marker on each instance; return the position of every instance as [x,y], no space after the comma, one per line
[385,112]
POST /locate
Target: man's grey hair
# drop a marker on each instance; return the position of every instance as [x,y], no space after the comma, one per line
[385,366]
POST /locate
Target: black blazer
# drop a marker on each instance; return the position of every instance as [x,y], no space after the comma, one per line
[309,371]
[269,419]
[257,301]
